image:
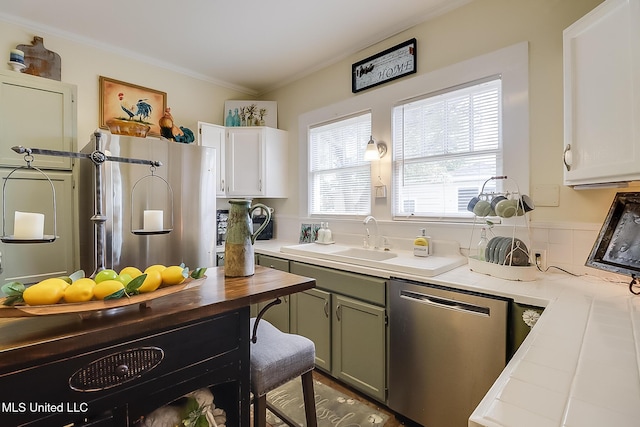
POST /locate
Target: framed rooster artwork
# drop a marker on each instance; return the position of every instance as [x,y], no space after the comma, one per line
[132,103]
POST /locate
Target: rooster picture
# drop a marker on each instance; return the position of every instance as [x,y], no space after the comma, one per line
[142,108]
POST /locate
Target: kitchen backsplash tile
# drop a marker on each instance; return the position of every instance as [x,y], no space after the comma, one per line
[567,244]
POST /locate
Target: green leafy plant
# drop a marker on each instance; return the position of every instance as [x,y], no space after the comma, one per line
[13,291]
[194,414]
[198,273]
[130,289]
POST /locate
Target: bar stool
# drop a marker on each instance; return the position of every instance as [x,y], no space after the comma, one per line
[277,358]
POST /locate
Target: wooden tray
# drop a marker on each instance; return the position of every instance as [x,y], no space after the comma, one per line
[91,306]
[40,61]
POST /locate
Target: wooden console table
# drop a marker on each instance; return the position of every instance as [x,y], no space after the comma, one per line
[114,366]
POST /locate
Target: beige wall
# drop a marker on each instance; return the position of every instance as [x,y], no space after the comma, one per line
[480,27]
[191,99]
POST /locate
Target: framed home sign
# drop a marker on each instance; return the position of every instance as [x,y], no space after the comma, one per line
[391,64]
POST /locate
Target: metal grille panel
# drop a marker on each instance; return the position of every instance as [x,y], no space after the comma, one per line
[116,369]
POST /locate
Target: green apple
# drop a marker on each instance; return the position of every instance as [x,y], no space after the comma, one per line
[107,274]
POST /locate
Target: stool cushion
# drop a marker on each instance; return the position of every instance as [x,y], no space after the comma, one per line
[278,357]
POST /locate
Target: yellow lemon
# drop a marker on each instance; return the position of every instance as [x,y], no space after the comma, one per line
[131,271]
[48,291]
[151,282]
[158,267]
[80,291]
[106,287]
[174,275]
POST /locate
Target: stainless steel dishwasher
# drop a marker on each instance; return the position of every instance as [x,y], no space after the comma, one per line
[447,347]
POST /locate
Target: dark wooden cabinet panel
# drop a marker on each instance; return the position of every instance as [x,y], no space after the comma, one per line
[192,356]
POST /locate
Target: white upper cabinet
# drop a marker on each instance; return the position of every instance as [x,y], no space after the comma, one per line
[602,95]
[36,113]
[252,161]
[214,136]
[256,162]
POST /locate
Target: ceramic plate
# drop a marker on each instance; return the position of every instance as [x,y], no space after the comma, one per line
[496,249]
[488,256]
[519,256]
[503,249]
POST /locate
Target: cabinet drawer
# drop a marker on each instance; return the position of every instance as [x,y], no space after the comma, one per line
[277,263]
[366,288]
[97,381]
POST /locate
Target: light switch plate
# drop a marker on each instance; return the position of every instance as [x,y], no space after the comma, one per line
[381,191]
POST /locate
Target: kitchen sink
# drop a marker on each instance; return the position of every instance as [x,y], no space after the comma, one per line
[446,258]
[366,254]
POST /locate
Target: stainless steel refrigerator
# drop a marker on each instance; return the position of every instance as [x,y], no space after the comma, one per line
[182,188]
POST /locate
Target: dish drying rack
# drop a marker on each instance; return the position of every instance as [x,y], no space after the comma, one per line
[507,258]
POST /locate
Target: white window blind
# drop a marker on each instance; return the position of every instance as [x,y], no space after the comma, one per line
[339,178]
[445,146]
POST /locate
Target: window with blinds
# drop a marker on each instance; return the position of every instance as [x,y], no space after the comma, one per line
[339,177]
[445,146]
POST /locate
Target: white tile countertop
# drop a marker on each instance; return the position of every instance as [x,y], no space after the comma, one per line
[579,366]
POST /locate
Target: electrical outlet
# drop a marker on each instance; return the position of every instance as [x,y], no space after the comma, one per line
[540,257]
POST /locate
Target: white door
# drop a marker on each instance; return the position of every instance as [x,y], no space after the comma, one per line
[214,136]
[244,162]
[602,95]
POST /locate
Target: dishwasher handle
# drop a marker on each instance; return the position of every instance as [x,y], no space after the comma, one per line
[445,303]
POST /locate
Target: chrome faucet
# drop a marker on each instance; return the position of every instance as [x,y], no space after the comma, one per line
[367,239]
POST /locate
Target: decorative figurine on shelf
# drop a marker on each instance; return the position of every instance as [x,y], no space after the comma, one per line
[236,118]
[251,112]
[261,113]
[170,131]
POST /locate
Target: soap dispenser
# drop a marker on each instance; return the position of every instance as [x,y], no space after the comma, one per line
[328,238]
[322,232]
[422,244]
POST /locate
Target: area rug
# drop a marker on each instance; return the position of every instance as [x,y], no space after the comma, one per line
[333,408]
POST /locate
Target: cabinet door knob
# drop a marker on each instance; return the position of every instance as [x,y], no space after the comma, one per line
[326,308]
[338,310]
[567,157]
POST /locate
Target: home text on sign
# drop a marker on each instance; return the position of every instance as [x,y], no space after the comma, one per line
[388,65]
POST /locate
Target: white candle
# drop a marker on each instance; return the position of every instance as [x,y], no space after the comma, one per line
[153,221]
[27,225]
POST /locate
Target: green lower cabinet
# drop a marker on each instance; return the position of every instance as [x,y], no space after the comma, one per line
[358,345]
[311,318]
[277,315]
[345,316]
